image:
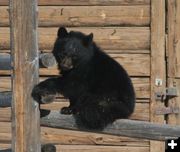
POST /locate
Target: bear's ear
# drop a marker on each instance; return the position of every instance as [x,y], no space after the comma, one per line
[62,32]
[88,39]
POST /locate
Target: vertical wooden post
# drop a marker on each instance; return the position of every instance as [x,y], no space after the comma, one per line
[173,52]
[158,77]
[25,111]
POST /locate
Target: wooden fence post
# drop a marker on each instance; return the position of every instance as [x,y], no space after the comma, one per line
[25,111]
[158,73]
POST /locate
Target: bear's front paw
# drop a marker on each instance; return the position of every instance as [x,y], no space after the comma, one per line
[44,112]
[48,148]
[66,111]
[41,95]
[36,94]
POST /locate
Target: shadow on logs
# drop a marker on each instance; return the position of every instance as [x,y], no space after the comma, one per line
[5,99]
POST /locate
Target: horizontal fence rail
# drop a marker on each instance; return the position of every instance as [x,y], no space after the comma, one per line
[121,127]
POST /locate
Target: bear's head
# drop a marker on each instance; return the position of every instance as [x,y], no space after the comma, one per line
[72,49]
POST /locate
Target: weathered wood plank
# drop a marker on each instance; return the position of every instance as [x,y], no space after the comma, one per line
[69,137]
[62,136]
[5,115]
[135,64]
[122,127]
[24,46]
[5,51]
[174,102]
[173,21]
[5,132]
[173,56]
[142,86]
[66,148]
[5,137]
[112,38]
[131,62]
[173,39]
[88,2]
[157,64]
[5,84]
[171,49]
[88,16]
[5,72]
[4,146]
[5,127]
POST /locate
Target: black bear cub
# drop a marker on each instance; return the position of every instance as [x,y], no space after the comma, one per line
[98,88]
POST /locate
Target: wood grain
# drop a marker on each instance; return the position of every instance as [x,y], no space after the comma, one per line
[4,146]
[111,38]
[157,64]
[66,148]
[135,64]
[69,137]
[24,46]
[121,127]
[174,102]
[77,148]
[88,2]
[5,115]
[173,52]
[62,136]
[5,84]
[88,16]
[173,39]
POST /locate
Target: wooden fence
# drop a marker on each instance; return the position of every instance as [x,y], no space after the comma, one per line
[141,35]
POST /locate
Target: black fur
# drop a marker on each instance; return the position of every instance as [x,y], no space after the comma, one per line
[48,148]
[99,89]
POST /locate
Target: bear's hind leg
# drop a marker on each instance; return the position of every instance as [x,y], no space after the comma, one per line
[92,116]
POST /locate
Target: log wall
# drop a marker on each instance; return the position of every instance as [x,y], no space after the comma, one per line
[122,29]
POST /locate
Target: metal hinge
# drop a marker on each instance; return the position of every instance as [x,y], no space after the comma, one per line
[167,110]
[168,94]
